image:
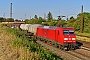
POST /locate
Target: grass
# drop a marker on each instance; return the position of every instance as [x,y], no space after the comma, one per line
[83,34]
[82,38]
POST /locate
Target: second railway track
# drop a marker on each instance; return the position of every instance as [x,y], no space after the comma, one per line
[78,54]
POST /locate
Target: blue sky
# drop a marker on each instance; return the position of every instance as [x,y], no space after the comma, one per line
[39,7]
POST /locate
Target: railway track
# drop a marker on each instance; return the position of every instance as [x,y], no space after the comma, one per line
[73,54]
[82,53]
[85,48]
[83,44]
[57,51]
[79,55]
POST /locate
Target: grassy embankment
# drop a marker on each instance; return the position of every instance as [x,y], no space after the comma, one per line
[35,50]
[82,36]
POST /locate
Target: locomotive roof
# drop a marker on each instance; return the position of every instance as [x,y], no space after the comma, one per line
[49,27]
[52,27]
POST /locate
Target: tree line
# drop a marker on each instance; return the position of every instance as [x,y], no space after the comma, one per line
[50,21]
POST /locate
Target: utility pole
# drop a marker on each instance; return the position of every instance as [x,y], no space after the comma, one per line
[10,10]
[82,21]
[67,18]
[25,16]
[30,17]
[44,16]
[4,16]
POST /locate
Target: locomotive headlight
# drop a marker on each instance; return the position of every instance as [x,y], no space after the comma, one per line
[65,38]
[73,38]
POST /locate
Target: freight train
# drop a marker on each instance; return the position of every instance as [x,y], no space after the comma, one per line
[62,37]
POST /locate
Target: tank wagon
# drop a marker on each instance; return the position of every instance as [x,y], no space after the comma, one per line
[15,24]
[63,37]
[24,26]
[32,29]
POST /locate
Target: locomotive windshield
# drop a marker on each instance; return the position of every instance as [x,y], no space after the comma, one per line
[71,32]
[66,32]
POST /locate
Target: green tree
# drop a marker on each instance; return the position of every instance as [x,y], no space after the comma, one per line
[26,21]
[76,23]
[1,19]
[40,20]
[17,20]
[35,17]
[49,17]
[61,23]
[52,23]
[59,18]
[72,19]
[10,20]
[85,17]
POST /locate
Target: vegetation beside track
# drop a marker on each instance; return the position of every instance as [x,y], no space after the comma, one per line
[36,51]
[83,36]
[85,39]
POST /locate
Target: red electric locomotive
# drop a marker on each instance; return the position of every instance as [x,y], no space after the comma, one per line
[63,37]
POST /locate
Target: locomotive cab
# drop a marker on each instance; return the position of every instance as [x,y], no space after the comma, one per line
[69,38]
[63,37]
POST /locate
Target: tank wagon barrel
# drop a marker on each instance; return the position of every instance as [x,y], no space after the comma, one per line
[24,26]
[33,28]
